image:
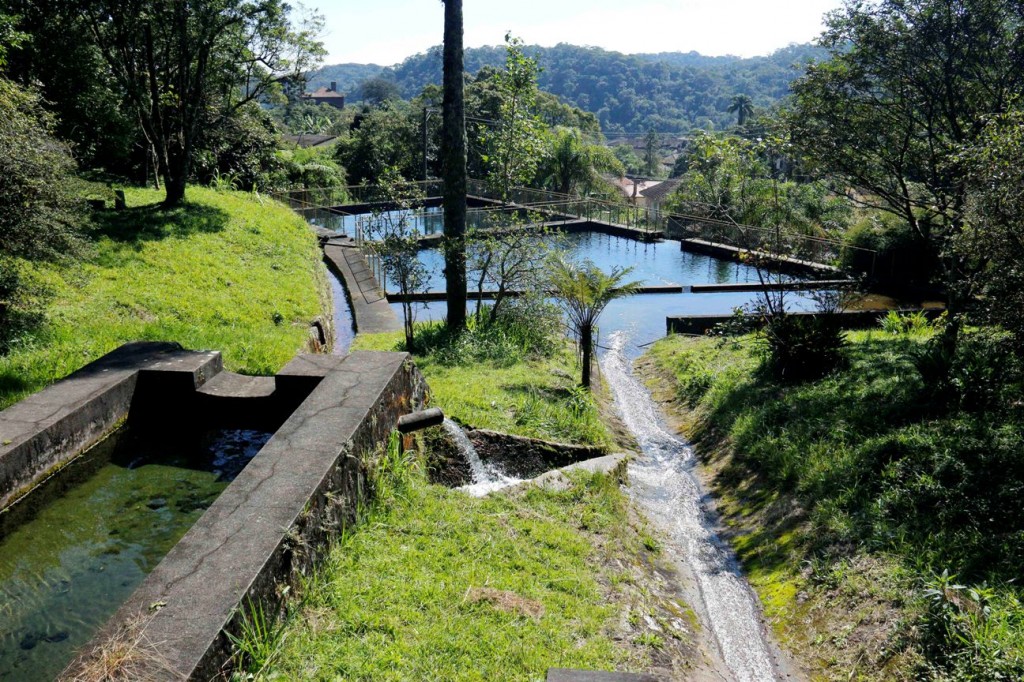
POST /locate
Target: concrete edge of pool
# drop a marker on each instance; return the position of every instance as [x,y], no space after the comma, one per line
[270,525]
[48,429]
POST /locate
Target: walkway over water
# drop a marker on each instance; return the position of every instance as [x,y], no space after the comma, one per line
[346,210]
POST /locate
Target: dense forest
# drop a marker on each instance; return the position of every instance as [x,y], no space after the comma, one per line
[670,92]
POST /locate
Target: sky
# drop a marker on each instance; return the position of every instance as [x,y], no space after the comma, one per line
[387,31]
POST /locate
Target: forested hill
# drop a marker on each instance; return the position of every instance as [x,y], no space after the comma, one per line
[672,91]
[347,76]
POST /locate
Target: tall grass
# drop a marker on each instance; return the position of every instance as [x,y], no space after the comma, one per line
[510,376]
[887,469]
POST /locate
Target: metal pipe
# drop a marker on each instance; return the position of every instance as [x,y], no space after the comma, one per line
[417,421]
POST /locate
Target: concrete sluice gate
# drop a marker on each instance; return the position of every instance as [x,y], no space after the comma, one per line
[150,499]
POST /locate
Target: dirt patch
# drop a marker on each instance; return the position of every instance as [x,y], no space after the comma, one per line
[509,602]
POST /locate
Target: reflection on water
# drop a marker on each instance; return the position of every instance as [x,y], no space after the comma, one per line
[344,329]
[653,264]
[64,572]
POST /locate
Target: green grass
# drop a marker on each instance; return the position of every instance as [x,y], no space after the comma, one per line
[437,585]
[226,271]
[848,497]
[533,395]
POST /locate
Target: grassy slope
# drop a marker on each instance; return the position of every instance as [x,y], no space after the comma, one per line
[536,398]
[845,497]
[437,585]
[226,271]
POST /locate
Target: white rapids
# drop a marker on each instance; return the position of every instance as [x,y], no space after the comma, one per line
[664,484]
[486,479]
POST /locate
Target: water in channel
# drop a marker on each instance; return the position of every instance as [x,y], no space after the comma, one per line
[664,484]
[96,530]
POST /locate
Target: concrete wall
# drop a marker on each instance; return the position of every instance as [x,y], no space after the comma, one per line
[272,524]
[44,432]
[700,325]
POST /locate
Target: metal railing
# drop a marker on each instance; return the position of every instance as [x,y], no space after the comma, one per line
[346,210]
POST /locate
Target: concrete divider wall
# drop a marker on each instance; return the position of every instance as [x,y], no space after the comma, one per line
[850,319]
[45,431]
[271,525]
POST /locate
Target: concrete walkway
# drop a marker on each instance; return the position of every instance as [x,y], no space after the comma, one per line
[371,312]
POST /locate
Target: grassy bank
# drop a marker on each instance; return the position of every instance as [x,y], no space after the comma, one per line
[876,512]
[225,271]
[532,394]
[437,585]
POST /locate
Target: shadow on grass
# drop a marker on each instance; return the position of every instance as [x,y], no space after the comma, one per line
[11,385]
[140,224]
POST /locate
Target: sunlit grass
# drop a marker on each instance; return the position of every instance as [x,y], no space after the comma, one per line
[438,585]
[848,497]
[227,271]
[534,396]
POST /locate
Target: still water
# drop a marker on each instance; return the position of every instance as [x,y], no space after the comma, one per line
[97,530]
[653,264]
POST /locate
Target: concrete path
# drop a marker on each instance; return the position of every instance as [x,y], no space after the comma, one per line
[371,312]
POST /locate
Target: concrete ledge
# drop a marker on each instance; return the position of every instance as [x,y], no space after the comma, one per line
[559,478]
[48,429]
[781,263]
[371,313]
[699,325]
[271,525]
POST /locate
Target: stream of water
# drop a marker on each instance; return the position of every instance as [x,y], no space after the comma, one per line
[663,482]
[486,479]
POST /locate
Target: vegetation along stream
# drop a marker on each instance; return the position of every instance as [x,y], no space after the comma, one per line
[96,530]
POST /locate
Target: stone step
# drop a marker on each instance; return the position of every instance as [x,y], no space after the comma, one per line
[231,385]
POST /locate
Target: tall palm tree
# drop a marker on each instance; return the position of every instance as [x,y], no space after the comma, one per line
[743,107]
[584,291]
[453,166]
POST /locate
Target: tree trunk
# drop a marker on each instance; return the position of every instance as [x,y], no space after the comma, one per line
[587,348]
[453,166]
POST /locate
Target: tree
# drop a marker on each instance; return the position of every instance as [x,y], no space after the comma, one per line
[651,162]
[572,166]
[10,36]
[396,241]
[453,166]
[743,107]
[512,258]
[385,137]
[515,145]
[376,91]
[37,206]
[908,86]
[993,238]
[176,60]
[584,291]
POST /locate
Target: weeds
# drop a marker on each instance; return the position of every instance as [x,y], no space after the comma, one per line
[259,641]
[886,470]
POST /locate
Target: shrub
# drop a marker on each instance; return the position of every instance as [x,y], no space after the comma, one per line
[37,202]
[799,348]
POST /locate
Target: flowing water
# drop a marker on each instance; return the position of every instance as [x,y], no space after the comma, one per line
[344,330]
[486,479]
[664,484]
[94,532]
